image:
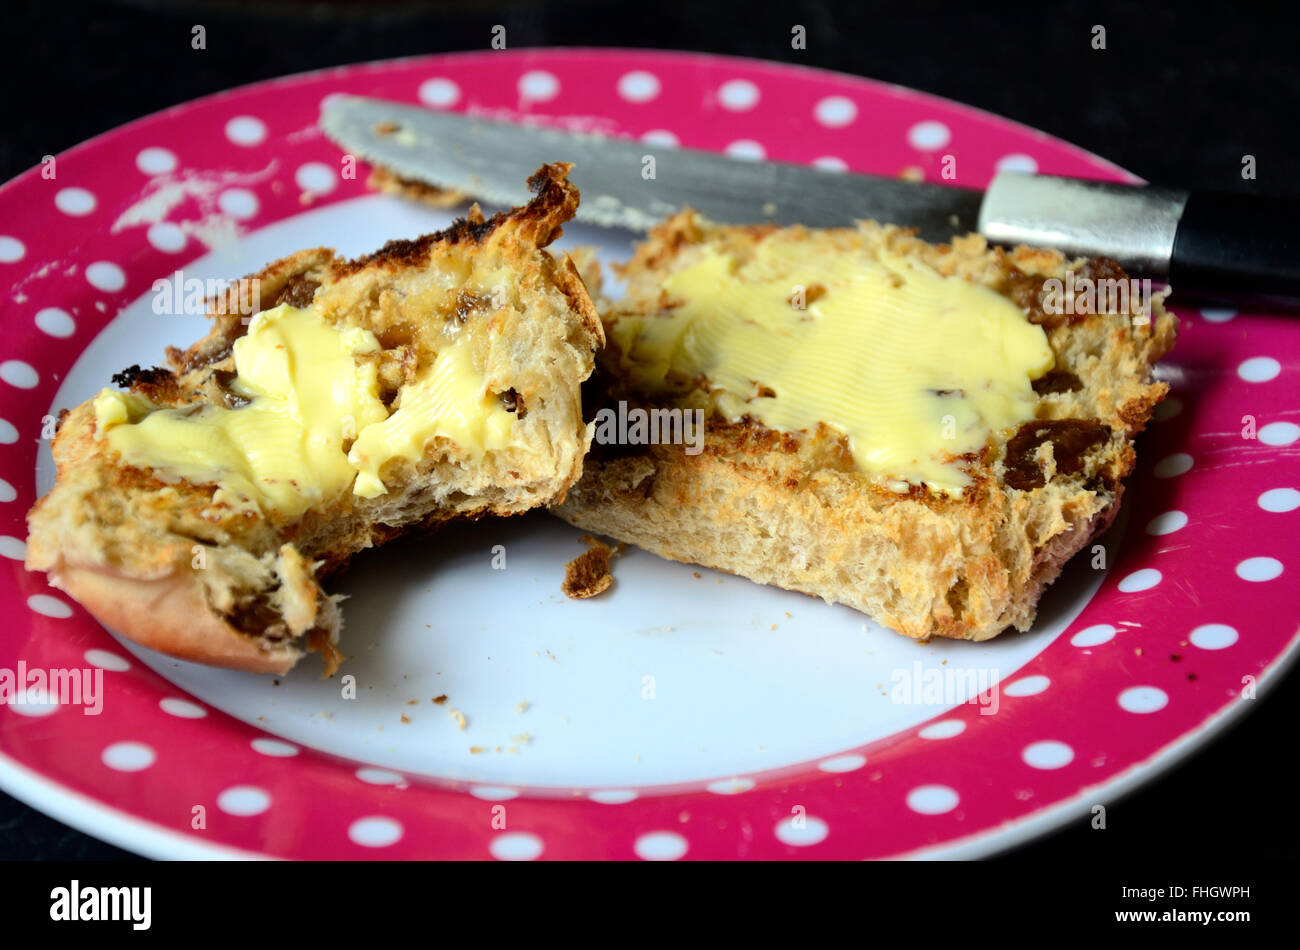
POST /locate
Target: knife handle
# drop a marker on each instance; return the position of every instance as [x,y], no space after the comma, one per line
[1213,246]
[1233,246]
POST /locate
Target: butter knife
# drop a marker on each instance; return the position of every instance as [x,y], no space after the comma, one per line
[1221,246]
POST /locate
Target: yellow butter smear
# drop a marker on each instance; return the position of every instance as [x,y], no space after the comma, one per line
[308,395]
[914,367]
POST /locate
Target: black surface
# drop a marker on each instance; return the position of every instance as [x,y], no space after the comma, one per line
[1178,96]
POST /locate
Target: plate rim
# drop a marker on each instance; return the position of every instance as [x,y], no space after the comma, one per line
[102,820]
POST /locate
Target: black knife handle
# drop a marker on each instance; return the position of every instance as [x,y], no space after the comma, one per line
[1232,246]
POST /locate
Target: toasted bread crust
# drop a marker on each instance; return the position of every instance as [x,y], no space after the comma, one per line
[165,565]
[790,509]
[179,621]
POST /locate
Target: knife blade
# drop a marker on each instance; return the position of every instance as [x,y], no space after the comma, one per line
[1228,247]
[631,184]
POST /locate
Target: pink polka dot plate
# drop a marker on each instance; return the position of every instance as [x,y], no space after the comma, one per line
[685,713]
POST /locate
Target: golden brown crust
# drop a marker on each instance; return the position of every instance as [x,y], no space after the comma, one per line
[791,509]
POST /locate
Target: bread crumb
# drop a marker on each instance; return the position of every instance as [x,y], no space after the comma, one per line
[477,749]
[524,738]
[459,716]
[439,700]
[773,626]
[912,173]
[388,182]
[788,614]
[588,574]
[406,720]
[695,573]
[412,702]
[523,707]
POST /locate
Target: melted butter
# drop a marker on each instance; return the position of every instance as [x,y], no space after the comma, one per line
[913,367]
[308,397]
[449,400]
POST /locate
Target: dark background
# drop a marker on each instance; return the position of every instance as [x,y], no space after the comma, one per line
[1178,96]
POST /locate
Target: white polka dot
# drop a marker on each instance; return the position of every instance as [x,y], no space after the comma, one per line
[1048,754]
[730,786]
[932,799]
[8,434]
[74,201]
[516,846]
[439,92]
[660,137]
[1017,162]
[246,130]
[7,491]
[1279,433]
[155,161]
[738,95]
[638,86]
[612,796]
[1143,699]
[836,111]
[375,832]
[128,756]
[11,249]
[1174,465]
[19,374]
[107,661]
[493,793]
[106,276]
[244,800]
[801,831]
[1280,500]
[55,322]
[660,846]
[1030,685]
[182,708]
[48,606]
[843,763]
[928,136]
[1093,636]
[829,163]
[943,729]
[538,85]
[166,237]
[274,748]
[1213,636]
[1145,579]
[1167,523]
[746,149]
[239,203]
[1259,569]
[1218,314]
[1167,408]
[13,548]
[1259,369]
[373,776]
[36,702]
[316,177]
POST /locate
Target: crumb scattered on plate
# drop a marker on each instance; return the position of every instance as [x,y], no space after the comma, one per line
[588,574]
